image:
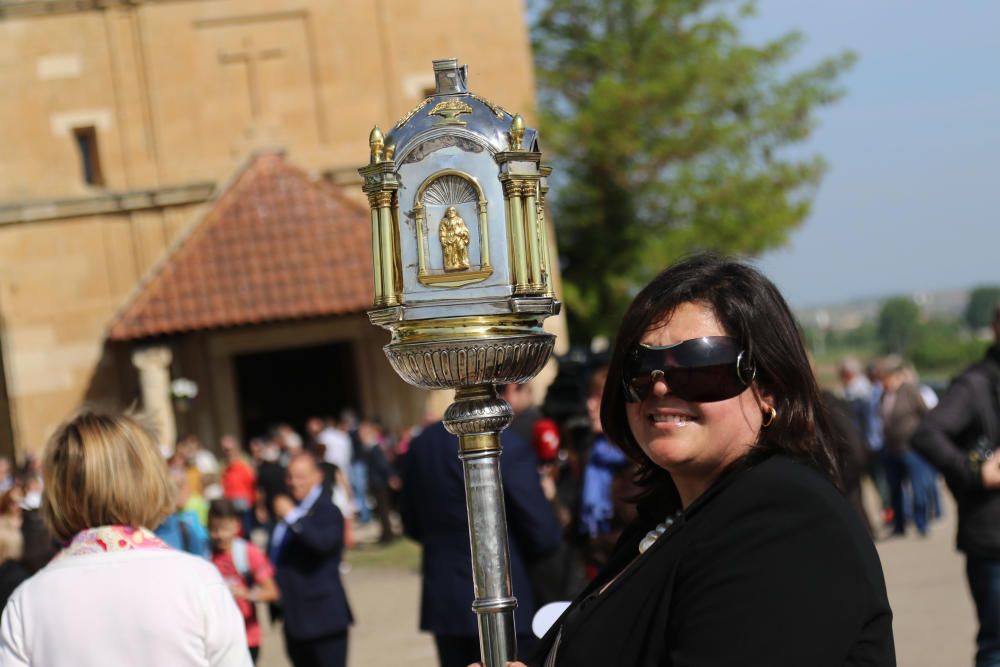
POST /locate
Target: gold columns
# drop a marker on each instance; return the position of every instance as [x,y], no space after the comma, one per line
[376,256]
[385,274]
[531,224]
[543,232]
[524,187]
[418,217]
[527,236]
[380,184]
[484,234]
[515,218]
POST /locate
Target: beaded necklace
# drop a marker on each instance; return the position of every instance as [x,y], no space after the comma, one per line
[661,528]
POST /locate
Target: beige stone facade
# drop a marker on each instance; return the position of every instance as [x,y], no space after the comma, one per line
[168,98]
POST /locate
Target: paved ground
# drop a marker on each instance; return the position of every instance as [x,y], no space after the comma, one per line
[935,621]
[934,618]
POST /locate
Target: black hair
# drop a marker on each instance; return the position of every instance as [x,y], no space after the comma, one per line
[222,508]
[751,309]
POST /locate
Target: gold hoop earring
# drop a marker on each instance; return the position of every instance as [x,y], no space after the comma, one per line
[771,415]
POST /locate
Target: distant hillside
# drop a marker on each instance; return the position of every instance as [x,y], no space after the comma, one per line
[851,315]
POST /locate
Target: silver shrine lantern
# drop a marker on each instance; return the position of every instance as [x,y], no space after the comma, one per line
[461,263]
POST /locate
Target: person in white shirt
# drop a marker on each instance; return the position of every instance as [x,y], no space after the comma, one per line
[116,595]
[336,449]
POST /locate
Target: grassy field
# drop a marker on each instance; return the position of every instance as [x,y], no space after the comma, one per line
[400,554]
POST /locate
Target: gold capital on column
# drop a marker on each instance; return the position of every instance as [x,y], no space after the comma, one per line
[512,188]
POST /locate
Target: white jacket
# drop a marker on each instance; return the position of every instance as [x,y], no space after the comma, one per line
[155,608]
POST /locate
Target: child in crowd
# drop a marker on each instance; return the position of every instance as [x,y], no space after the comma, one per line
[244,567]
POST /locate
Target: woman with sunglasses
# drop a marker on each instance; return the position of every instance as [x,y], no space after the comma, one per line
[745,552]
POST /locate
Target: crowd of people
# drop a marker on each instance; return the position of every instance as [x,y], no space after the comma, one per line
[885,403]
[272,518]
[699,492]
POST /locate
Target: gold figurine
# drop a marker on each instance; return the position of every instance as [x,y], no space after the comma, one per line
[454,241]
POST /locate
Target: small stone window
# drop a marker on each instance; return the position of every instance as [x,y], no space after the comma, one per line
[90,157]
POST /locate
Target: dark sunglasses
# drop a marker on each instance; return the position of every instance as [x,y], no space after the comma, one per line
[701,370]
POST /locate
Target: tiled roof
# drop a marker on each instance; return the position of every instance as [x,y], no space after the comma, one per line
[274,245]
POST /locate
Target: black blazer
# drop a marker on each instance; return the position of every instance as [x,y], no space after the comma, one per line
[313,601]
[770,568]
[434,514]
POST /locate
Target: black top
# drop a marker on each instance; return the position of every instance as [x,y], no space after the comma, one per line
[271,482]
[12,575]
[769,567]
[379,470]
[434,514]
[965,420]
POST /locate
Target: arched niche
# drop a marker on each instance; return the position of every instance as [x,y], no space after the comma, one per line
[450,187]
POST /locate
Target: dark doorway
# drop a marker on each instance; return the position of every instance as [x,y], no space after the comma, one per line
[292,385]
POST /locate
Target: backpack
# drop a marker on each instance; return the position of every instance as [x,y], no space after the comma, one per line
[241,559]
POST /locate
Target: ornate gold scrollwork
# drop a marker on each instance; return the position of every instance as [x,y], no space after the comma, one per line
[412,112]
[497,110]
[449,110]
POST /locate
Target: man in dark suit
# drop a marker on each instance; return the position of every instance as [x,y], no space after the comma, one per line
[306,548]
[434,514]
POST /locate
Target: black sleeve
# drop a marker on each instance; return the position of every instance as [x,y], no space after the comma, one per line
[322,529]
[530,516]
[938,436]
[408,503]
[786,582]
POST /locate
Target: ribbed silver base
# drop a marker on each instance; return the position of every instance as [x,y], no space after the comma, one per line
[460,363]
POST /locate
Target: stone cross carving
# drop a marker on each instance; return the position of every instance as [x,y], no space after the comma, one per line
[251,59]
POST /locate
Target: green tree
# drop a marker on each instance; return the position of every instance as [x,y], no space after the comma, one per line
[983,301]
[898,324]
[943,346]
[669,133]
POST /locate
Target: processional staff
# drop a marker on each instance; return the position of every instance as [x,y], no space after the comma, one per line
[461,263]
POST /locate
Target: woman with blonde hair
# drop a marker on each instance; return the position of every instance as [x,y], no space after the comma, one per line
[116,594]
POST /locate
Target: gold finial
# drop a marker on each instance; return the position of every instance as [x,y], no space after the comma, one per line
[390,150]
[516,132]
[377,142]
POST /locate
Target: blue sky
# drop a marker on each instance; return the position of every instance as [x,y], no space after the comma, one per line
[911,201]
